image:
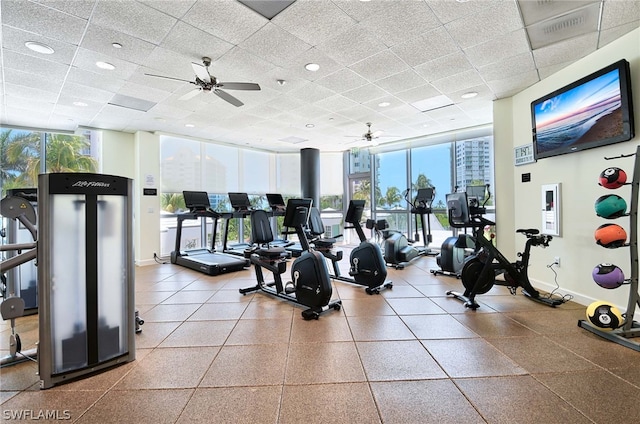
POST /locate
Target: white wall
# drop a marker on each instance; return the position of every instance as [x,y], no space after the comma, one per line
[577,172]
[118,154]
[147,208]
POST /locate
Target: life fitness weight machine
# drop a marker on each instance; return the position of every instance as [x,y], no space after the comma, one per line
[87,318]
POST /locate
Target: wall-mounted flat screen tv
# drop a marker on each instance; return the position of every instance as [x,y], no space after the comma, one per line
[594,111]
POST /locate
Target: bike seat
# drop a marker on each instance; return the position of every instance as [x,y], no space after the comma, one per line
[531,231]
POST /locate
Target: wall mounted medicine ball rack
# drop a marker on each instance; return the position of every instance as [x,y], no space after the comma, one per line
[628,334]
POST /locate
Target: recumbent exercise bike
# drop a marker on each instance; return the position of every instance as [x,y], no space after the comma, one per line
[480,270]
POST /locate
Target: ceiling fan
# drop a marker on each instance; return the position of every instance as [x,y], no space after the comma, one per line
[369,136]
[207,82]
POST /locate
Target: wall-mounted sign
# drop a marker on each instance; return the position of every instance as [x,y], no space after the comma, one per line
[523,154]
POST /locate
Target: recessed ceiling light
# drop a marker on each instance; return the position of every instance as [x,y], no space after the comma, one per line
[309,125]
[116,45]
[281,82]
[105,65]
[312,67]
[39,47]
[82,104]
[384,104]
[469,95]
[189,125]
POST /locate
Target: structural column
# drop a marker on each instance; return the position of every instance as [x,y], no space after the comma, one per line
[310,175]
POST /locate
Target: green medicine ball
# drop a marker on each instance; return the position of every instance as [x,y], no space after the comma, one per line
[610,206]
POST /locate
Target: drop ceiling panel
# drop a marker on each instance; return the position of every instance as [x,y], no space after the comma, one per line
[30,93]
[429,46]
[228,20]
[616,13]
[483,26]
[448,11]
[444,66]
[343,80]
[87,59]
[194,42]
[175,8]
[13,39]
[497,49]
[352,46]
[380,65]
[46,21]
[27,79]
[100,39]
[274,45]
[35,65]
[509,67]
[133,18]
[313,21]
[571,50]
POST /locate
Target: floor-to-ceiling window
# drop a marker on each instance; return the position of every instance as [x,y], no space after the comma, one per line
[24,154]
[390,188]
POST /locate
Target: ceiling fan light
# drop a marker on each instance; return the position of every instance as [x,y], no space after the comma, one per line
[116,45]
[39,47]
[105,65]
[313,67]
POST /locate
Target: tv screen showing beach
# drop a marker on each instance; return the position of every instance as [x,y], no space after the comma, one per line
[588,113]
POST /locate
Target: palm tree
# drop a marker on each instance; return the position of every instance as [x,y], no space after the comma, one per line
[393,197]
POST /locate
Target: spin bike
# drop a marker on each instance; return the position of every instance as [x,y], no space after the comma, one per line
[481,269]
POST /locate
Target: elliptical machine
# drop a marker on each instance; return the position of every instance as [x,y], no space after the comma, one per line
[398,249]
[481,269]
[310,283]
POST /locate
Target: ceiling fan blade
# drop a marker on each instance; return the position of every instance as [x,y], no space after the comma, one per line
[201,72]
[191,94]
[239,86]
[228,97]
[171,78]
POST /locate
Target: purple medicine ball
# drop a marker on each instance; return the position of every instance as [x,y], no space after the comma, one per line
[608,276]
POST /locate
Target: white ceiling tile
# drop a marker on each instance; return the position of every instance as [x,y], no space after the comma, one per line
[497,49]
[79,8]
[87,59]
[418,93]
[30,104]
[508,67]
[444,66]
[85,92]
[365,93]
[379,66]
[100,39]
[228,20]
[93,79]
[274,44]
[162,61]
[24,92]
[175,8]
[186,39]
[41,82]
[14,39]
[572,50]
[241,65]
[313,55]
[311,92]
[358,113]
[447,10]
[313,21]
[429,46]
[609,35]
[414,17]
[616,13]
[142,92]
[509,86]
[35,65]
[352,46]
[335,103]
[46,21]
[342,80]
[401,81]
[480,27]
[133,18]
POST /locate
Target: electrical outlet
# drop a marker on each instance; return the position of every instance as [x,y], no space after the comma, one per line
[556,260]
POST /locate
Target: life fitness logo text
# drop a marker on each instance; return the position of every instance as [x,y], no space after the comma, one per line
[90,184]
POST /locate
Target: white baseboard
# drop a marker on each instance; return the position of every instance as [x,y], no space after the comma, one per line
[145,262]
[579,297]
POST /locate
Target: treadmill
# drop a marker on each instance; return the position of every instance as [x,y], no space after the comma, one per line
[241,209]
[205,260]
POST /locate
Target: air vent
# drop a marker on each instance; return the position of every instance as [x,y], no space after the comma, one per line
[569,25]
[293,140]
[131,102]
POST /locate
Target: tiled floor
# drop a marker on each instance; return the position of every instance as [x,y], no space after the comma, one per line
[409,355]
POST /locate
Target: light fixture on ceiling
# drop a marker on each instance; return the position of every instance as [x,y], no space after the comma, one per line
[432,103]
[469,95]
[105,65]
[39,47]
[384,104]
[116,45]
[281,82]
[313,67]
[81,104]
[310,125]
[189,125]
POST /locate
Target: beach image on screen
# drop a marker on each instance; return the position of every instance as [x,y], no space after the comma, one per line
[586,113]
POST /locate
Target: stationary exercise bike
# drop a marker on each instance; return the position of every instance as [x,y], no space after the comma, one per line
[310,283]
[481,269]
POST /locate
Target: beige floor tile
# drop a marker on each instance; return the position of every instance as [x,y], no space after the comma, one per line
[189,296]
[58,406]
[426,401]
[331,328]
[166,313]
[379,328]
[366,306]
[261,331]
[493,325]
[199,333]
[414,306]
[218,311]
[253,365]
[437,327]
[398,360]
[326,403]
[315,363]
